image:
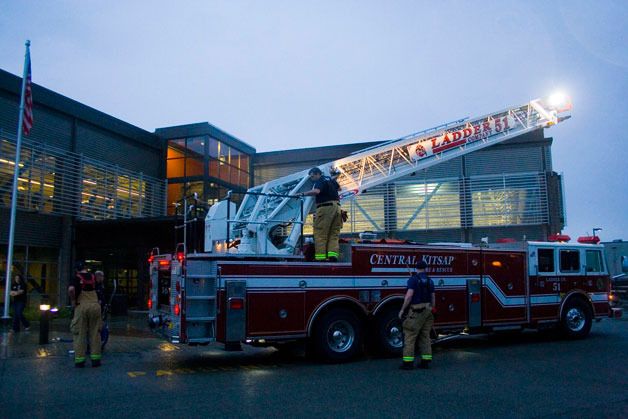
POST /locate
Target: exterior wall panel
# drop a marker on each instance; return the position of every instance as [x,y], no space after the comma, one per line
[499,159]
[102,145]
[30,230]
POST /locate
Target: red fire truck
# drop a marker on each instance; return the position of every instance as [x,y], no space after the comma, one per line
[253,285]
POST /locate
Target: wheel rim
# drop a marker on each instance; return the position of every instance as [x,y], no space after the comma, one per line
[394,334]
[340,336]
[575,319]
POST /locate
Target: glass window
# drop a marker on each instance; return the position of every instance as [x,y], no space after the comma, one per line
[213,167]
[244,179]
[594,261]
[235,158]
[546,260]
[193,167]
[234,179]
[570,261]
[224,171]
[244,162]
[175,192]
[196,146]
[214,146]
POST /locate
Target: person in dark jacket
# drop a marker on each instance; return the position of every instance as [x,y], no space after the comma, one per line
[420,300]
[328,219]
[18,292]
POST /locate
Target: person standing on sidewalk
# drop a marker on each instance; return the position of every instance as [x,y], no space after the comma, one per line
[328,219]
[421,301]
[18,292]
[87,320]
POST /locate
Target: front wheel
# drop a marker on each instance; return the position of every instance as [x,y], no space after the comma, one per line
[338,335]
[576,319]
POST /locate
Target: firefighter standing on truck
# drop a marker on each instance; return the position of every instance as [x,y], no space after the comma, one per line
[87,321]
[421,301]
[328,219]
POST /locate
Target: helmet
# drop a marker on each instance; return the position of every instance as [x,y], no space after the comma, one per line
[421,264]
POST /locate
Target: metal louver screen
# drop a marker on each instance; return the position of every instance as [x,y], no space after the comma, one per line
[55,181]
[517,199]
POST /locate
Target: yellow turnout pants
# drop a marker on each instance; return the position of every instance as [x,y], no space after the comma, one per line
[418,326]
[86,324]
[327,225]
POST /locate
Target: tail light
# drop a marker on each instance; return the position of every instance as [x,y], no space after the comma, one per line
[180,256]
[236,303]
[150,302]
[177,309]
[475,298]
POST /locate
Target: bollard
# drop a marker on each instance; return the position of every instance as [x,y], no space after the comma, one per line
[44,323]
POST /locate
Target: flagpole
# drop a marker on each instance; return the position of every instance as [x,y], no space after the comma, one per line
[16,174]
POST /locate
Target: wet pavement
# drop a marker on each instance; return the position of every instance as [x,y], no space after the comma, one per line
[522,375]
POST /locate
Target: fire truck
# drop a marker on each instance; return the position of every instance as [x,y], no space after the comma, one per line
[253,285]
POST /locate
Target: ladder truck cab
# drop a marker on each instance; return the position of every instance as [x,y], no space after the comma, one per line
[253,285]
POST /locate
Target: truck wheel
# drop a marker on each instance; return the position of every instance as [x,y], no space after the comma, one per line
[389,333]
[338,335]
[576,319]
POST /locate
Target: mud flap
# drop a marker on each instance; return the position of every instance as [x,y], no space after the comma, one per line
[474,302]
[235,314]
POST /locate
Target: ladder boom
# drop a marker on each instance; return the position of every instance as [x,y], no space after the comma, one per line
[270,218]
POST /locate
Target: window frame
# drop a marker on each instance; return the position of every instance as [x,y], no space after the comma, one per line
[577,271]
[538,262]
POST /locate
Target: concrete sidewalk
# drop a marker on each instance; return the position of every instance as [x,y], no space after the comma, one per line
[127,334]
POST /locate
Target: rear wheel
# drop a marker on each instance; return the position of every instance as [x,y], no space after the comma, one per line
[388,336]
[338,335]
[576,319]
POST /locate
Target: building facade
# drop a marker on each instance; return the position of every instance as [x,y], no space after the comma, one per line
[76,164]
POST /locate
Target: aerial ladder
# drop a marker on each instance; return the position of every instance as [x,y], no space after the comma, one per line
[273,207]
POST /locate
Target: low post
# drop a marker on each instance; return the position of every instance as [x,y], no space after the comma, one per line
[44,321]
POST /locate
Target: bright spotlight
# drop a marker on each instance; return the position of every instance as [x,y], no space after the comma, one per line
[558,100]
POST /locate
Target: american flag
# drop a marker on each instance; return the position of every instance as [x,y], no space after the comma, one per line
[27,121]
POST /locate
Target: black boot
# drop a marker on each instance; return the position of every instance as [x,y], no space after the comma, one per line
[332,259]
[95,363]
[406,365]
[424,365]
[79,364]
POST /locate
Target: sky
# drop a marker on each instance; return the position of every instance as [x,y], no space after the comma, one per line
[294,74]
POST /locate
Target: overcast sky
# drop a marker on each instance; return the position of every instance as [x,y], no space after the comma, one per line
[292,74]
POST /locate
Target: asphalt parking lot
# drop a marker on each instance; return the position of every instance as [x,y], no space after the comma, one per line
[526,375]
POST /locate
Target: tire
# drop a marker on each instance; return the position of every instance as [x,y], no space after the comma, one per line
[338,335]
[388,333]
[576,319]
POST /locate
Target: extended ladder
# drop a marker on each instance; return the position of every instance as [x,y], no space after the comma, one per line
[274,204]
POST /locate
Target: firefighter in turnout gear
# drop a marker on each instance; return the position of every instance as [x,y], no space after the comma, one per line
[328,219]
[420,303]
[87,320]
